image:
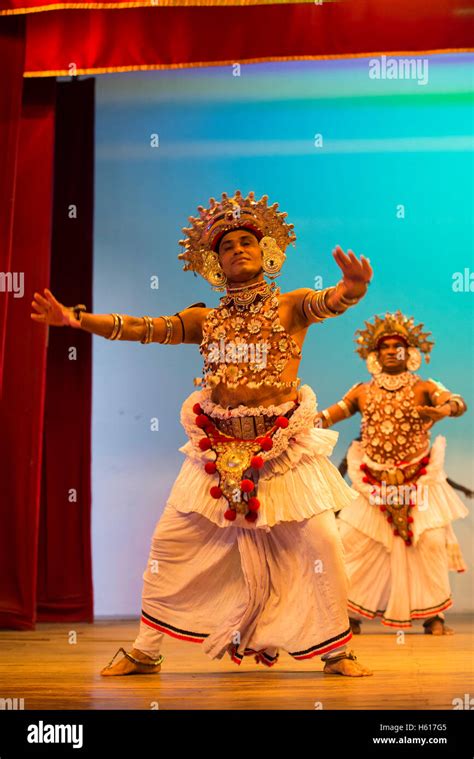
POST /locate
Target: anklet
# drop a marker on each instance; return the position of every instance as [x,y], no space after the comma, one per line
[351,655]
[153,663]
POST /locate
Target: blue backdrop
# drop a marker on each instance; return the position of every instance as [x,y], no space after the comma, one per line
[383,167]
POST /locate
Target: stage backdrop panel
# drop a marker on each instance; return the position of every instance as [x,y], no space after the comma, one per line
[381,166]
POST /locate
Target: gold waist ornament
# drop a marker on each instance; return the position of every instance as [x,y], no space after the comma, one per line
[395,492]
[237,461]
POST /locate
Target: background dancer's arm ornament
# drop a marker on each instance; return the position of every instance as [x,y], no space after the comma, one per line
[443,403]
[343,409]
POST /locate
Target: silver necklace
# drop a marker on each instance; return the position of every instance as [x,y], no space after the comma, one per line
[393,381]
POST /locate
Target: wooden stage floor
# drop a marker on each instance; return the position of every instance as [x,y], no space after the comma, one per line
[48,672]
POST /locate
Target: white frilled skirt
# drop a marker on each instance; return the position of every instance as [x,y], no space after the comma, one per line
[389,579]
[244,588]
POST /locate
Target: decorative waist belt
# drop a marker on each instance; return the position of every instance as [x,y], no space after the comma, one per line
[397,475]
[237,441]
[390,486]
[247,427]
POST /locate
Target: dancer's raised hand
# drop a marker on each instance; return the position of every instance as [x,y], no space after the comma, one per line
[356,273]
[51,312]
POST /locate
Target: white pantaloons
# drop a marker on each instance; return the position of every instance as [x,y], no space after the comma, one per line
[252,588]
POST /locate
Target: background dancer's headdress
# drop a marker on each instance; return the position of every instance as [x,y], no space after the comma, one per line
[393,325]
[206,231]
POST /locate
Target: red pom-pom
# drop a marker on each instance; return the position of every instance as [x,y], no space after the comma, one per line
[210,467]
[395,532]
[251,516]
[202,421]
[410,519]
[197,408]
[266,444]
[215,491]
[256,462]
[390,520]
[365,479]
[282,421]
[425,460]
[410,534]
[383,508]
[422,471]
[363,467]
[247,486]
[230,514]
[408,542]
[204,444]
[254,503]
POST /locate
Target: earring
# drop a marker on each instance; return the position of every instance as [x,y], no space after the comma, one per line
[373,364]
[214,274]
[414,359]
[273,257]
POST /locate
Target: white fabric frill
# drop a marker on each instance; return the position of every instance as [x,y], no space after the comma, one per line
[438,503]
[296,482]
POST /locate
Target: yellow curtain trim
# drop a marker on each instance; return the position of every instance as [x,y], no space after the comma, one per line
[232,61]
[157,4]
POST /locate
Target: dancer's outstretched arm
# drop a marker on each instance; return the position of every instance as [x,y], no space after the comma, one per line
[313,306]
[343,409]
[442,402]
[185,328]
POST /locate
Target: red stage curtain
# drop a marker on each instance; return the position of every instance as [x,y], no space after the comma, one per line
[22,404]
[12,54]
[32,6]
[45,547]
[64,560]
[92,39]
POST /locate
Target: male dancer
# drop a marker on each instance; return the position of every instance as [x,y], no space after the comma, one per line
[246,558]
[398,539]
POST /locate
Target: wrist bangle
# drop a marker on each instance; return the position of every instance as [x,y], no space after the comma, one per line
[331,311]
[459,404]
[149,326]
[117,330]
[345,301]
[319,309]
[312,313]
[78,310]
[327,417]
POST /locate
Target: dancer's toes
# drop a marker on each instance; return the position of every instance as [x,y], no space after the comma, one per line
[447,630]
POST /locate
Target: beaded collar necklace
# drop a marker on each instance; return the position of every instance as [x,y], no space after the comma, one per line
[244,296]
[393,381]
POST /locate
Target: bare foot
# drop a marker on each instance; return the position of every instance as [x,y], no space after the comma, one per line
[438,627]
[126,667]
[348,667]
[355,626]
